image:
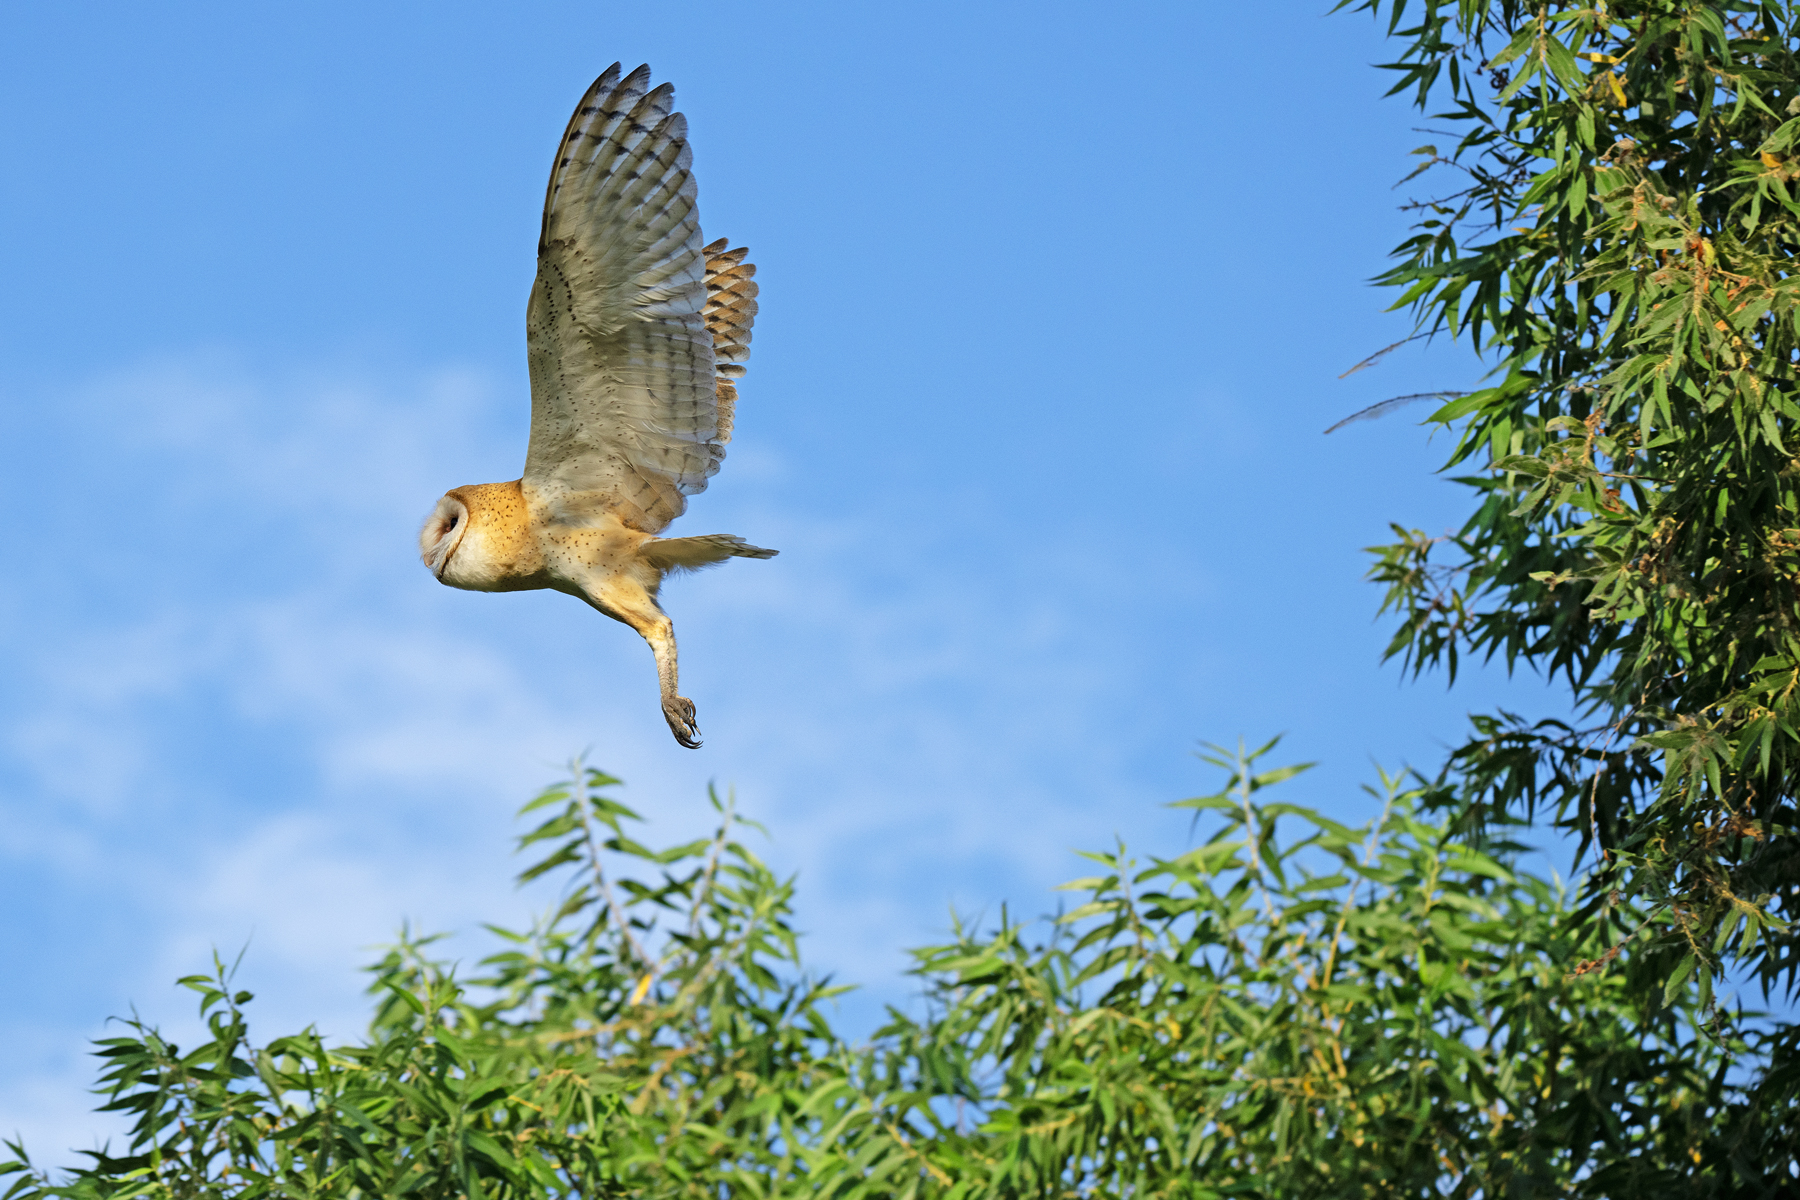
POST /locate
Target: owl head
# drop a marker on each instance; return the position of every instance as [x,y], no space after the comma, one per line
[443,533]
[479,537]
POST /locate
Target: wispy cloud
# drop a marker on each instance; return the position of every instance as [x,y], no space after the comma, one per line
[279,732]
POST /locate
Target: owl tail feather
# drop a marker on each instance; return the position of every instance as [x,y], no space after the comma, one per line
[698,553]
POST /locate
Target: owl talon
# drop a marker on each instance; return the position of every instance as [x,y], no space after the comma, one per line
[679,712]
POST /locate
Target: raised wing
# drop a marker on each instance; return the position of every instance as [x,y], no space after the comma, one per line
[627,413]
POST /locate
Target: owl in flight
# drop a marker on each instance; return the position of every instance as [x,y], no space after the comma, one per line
[635,333]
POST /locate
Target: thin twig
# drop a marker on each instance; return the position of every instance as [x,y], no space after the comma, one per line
[593,846]
[1382,353]
[1388,406]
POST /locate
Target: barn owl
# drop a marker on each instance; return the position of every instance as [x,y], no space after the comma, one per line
[635,332]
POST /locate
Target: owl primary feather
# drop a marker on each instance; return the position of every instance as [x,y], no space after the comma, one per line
[635,332]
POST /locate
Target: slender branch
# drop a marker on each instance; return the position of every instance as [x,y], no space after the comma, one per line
[592,841]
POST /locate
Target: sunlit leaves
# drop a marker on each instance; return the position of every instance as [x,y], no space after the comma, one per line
[1296,1008]
[1289,1008]
[1618,242]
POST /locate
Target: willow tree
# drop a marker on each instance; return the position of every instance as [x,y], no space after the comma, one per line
[1612,230]
[1289,1008]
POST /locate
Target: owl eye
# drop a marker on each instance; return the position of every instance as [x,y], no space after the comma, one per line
[452,524]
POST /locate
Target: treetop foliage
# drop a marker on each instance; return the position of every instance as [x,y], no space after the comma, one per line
[1612,227]
[1289,1008]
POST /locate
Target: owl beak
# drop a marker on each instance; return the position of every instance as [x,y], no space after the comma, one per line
[437,561]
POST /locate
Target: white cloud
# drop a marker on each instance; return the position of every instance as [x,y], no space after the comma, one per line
[287,736]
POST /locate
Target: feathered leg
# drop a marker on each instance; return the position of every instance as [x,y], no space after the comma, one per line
[678,711]
[627,599]
[656,628]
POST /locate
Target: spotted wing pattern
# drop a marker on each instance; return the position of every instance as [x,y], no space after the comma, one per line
[627,413]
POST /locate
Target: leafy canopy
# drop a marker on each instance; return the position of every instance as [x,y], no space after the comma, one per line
[1613,230]
[1290,1008]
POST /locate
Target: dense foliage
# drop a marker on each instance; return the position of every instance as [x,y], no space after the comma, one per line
[1290,1008]
[1614,234]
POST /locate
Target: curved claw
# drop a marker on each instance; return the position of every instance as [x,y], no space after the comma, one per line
[679,713]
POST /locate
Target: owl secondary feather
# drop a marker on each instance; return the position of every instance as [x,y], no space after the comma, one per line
[635,332]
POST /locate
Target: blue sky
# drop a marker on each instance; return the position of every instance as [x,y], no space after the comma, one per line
[1055,298]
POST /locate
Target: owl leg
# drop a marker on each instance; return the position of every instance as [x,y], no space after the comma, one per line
[678,711]
[629,596]
[643,614]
